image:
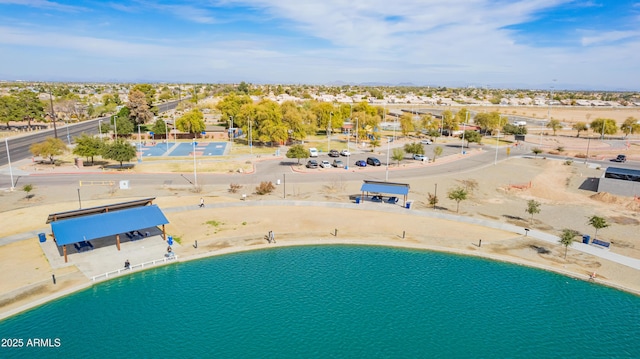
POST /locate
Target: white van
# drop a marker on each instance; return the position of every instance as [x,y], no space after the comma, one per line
[313,152]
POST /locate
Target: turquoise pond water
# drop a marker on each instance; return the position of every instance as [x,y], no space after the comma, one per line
[335,302]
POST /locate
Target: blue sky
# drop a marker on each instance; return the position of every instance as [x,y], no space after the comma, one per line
[565,44]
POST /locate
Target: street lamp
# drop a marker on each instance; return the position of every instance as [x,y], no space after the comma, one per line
[328,136]
[231,129]
[166,135]
[139,145]
[250,138]
[115,126]
[6,144]
[195,173]
[100,128]
[495,162]
[463,130]
[386,176]
[68,136]
[357,133]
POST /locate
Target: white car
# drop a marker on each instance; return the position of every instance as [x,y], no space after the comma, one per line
[420,157]
[426,142]
[325,164]
[345,153]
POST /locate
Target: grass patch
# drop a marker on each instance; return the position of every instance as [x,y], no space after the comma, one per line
[214,223]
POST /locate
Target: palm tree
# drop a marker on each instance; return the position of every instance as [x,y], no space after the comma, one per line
[458,194]
[566,239]
[598,223]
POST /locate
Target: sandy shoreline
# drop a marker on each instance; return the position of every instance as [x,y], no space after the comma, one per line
[426,234]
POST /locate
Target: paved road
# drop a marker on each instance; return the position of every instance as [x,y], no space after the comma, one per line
[19,145]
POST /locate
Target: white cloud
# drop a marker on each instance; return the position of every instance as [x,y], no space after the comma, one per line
[607,37]
[44,4]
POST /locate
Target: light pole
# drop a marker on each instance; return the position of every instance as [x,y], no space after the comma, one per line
[195,173]
[587,156]
[68,136]
[328,136]
[139,145]
[115,126]
[100,128]
[386,176]
[6,144]
[166,135]
[250,139]
[495,162]
[463,130]
[357,133]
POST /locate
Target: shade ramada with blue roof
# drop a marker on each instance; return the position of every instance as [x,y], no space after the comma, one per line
[100,225]
[385,187]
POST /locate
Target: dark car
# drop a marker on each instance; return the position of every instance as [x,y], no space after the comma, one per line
[312,164]
[621,158]
[361,163]
[334,153]
[373,161]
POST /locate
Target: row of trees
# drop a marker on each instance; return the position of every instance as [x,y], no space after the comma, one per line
[86,146]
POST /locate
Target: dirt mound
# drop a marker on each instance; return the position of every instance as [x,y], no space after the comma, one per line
[626,202]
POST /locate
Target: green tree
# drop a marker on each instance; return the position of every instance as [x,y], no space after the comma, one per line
[433,200]
[580,126]
[191,122]
[119,150]
[458,194]
[536,151]
[406,123]
[297,151]
[50,147]
[630,126]
[149,92]
[28,188]
[414,148]
[533,207]
[9,110]
[554,125]
[230,105]
[160,127]
[243,88]
[270,127]
[29,106]
[566,239]
[437,151]
[398,155]
[472,136]
[139,111]
[488,121]
[292,118]
[449,121]
[598,223]
[375,142]
[87,146]
[609,125]
[511,129]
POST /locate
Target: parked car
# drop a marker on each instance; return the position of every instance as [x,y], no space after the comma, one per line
[426,142]
[338,164]
[312,164]
[419,157]
[620,158]
[373,161]
[334,153]
[325,164]
[313,152]
[345,153]
[361,163]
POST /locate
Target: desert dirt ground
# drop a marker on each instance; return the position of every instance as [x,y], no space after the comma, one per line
[228,223]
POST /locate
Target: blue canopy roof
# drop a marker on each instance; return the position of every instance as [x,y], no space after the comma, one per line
[385,188]
[86,228]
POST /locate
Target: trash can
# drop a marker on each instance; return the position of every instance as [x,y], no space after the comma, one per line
[43,237]
[170,240]
[408,205]
[585,238]
[357,200]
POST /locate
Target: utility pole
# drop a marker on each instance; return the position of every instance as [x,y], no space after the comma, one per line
[53,115]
